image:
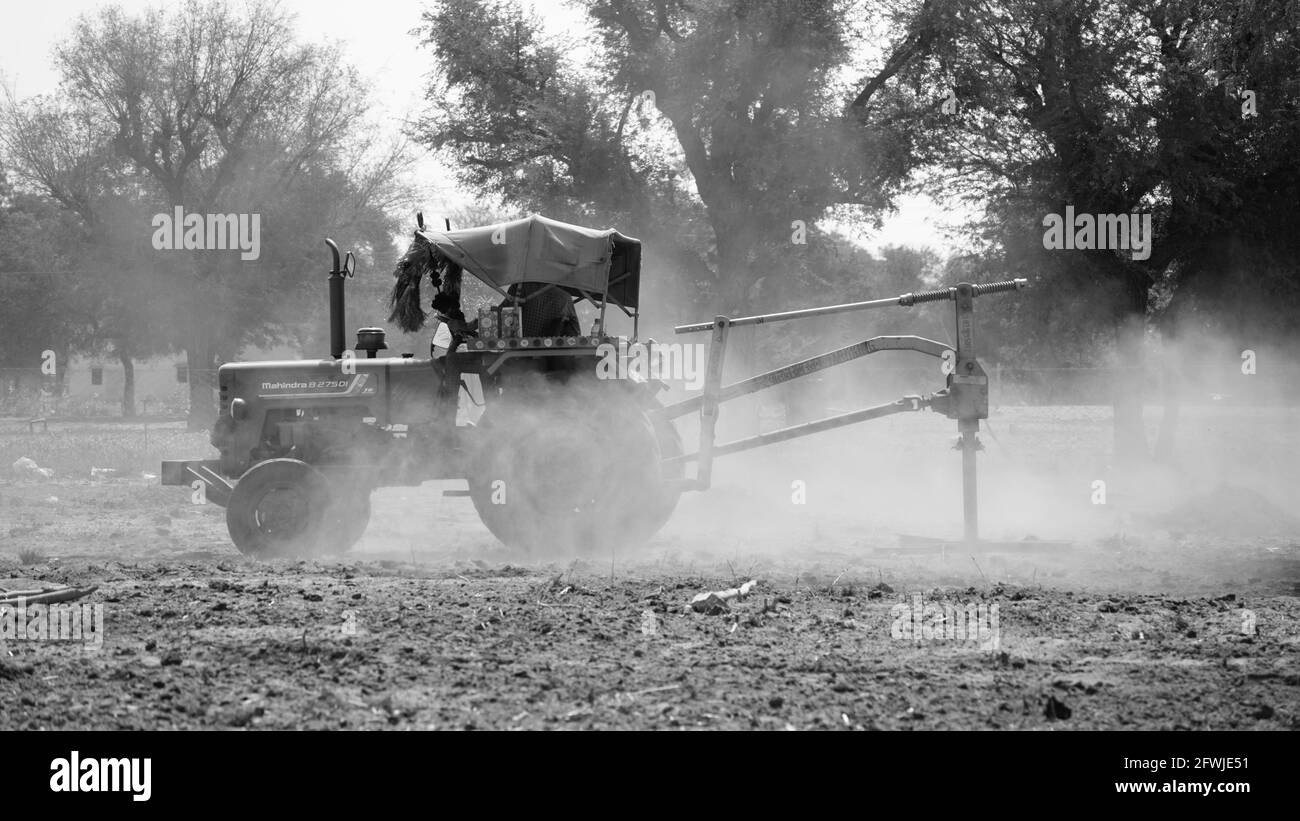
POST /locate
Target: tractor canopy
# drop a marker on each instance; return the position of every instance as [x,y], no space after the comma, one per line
[599,264]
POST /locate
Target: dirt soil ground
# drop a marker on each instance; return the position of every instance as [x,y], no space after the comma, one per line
[1173,605]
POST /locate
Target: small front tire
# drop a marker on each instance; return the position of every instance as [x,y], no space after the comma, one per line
[281,508]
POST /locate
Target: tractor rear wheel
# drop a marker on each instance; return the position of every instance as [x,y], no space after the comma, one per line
[669,491]
[571,472]
[285,507]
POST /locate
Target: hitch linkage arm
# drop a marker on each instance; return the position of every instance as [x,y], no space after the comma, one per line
[904,405]
[714,395]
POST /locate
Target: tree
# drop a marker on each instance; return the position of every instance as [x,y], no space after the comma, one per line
[525,127]
[749,90]
[219,111]
[39,310]
[60,153]
[1111,110]
[753,139]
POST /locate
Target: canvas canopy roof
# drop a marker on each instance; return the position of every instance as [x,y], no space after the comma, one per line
[599,264]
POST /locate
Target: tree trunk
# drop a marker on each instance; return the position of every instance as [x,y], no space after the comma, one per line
[64,354]
[200,363]
[128,382]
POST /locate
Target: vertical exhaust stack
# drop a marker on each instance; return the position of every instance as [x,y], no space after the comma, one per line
[337,345]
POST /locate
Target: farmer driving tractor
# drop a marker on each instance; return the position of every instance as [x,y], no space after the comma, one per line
[546,310]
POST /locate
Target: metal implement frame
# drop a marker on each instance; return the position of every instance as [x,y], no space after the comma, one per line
[964,398]
[208,471]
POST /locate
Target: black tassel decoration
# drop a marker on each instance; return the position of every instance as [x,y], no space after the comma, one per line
[404,300]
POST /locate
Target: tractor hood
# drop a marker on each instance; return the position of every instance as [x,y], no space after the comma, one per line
[597,264]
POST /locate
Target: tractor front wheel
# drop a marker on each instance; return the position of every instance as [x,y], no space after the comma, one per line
[285,507]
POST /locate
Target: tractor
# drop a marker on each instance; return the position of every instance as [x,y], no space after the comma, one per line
[560,458]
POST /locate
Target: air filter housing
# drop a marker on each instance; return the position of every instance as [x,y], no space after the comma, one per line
[371,340]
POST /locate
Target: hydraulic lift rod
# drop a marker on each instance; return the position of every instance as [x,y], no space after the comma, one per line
[906,301]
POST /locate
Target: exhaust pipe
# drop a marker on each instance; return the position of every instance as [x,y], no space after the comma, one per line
[337,345]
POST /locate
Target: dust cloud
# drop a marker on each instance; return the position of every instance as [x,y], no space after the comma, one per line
[1220,473]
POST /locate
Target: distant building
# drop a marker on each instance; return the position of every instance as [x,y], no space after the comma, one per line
[93,385]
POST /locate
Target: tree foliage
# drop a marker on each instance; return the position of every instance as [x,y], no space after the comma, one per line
[216,110]
[710,128]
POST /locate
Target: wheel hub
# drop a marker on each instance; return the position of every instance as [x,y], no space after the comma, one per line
[282,512]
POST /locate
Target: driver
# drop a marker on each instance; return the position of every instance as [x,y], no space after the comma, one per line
[547,311]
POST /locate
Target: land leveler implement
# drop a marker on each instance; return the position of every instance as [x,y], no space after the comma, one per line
[965,398]
[559,458]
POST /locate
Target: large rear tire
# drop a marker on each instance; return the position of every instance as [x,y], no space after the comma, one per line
[571,471]
[669,489]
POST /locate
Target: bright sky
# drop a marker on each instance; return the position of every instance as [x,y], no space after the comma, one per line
[374,36]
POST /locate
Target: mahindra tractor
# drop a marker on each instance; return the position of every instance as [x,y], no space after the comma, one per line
[559,456]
